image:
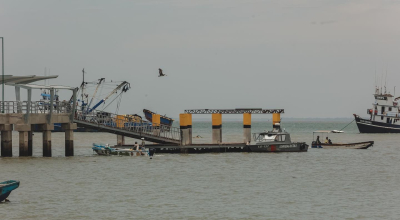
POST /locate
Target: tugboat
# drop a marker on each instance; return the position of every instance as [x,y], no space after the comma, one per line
[276,141]
[384,115]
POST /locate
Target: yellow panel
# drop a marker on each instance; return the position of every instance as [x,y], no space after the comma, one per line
[120,121]
[155,119]
[247,119]
[183,119]
[189,119]
[276,118]
[217,119]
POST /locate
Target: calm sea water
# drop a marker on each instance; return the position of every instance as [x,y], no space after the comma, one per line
[319,184]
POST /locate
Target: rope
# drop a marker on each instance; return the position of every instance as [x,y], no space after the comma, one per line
[347,124]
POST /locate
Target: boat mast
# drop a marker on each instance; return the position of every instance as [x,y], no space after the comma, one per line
[94,94]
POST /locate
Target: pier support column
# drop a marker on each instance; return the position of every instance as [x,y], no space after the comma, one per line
[216,128]
[6,140]
[189,128]
[46,129]
[276,122]
[69,138]
[156,124]
[120,140]
[184,129]
[247,128]
[23,130]
[30,141]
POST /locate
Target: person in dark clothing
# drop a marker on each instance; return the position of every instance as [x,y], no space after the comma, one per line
[318,141]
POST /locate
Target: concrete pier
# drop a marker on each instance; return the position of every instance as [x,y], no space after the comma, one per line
[216,128]
[247,127]
[69,138]
[46,129]
[6,140]
[23,130]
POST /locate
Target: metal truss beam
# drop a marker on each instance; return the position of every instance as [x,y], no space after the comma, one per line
[235,111]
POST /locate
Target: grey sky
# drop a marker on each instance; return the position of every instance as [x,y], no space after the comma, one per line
[312,58]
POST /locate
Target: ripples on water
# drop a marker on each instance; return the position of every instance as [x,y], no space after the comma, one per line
[319,184]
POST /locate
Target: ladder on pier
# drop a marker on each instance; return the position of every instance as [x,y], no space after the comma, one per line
[117,124]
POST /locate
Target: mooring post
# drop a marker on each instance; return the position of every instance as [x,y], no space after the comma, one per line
[46,129]
[217,128]
[247,127]
[156,122]
[23,130]
[6,140]
[69,138]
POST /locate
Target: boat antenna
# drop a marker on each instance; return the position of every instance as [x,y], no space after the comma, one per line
[385,80]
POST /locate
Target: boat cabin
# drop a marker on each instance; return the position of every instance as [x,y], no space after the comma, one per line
[385,108]
[283,137]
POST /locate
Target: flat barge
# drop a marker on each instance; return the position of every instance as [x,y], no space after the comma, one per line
[210,148]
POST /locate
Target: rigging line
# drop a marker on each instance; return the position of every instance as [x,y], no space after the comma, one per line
[112,101]
[118,104]
[347,124]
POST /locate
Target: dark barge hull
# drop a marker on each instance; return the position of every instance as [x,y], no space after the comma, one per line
[368,126]
[211,148]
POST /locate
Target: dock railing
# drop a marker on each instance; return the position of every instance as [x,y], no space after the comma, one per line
[115,121]
[42,107]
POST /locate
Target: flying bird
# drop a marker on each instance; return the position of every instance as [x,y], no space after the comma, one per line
[160,73]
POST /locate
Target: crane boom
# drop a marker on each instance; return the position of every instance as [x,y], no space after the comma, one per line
[124,85]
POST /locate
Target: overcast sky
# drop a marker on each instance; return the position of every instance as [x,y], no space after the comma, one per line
[313,58]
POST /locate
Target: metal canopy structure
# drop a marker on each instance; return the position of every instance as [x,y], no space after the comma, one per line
[235,111]
[13,80]
[23,82]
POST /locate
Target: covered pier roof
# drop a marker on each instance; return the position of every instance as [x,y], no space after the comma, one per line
[23,82]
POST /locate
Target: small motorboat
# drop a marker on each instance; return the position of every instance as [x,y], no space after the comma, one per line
[6,187]
[106,150]
[329,145]
[276,141]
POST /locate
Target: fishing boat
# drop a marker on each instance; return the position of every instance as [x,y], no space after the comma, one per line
[106,150]
[329,145]
[6,188]
[384,116]
[276,141]
[88,101]
[163,119]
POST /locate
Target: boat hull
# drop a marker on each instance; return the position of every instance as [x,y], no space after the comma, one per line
[368,126]
[360,145]
[292,147]
[6,188]
[163,119]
